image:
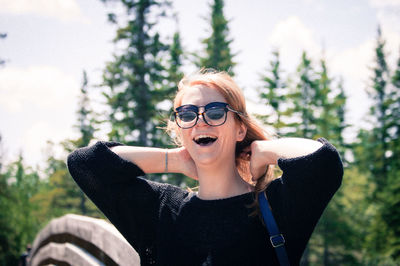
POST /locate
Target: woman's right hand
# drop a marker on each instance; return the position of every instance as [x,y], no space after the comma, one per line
[182,162]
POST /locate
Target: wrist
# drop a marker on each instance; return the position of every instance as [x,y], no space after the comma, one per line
[268,149]
[172,160]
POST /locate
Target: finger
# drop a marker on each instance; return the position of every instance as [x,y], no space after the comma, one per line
[259,173]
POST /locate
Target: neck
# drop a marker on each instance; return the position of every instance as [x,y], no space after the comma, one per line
[222,181]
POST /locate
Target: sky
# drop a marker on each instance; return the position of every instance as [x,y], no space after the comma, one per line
[50,42]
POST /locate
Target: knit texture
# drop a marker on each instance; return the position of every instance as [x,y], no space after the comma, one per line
[167,225]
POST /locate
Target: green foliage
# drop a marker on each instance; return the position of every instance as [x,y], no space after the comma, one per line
[313,106]
[273,94]
[305,99]
[377,153]
[218,54]
[18,185]
[133,81]
[360,225]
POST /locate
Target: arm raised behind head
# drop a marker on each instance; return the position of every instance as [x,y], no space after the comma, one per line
[157,160]
[266,152]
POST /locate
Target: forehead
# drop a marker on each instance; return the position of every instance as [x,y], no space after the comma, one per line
[201,95]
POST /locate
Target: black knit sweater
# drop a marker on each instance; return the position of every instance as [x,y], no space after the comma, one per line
[170,226]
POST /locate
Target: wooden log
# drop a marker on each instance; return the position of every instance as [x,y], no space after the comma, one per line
[96,236]
[65,253]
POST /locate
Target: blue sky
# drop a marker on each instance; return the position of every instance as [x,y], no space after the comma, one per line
[50,42]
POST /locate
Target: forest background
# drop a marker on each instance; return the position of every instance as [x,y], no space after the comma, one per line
[130,99]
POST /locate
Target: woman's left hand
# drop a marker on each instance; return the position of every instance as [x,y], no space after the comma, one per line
[262,153]
[260,157]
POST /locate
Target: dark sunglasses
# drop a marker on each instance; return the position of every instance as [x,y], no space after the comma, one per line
[214,114]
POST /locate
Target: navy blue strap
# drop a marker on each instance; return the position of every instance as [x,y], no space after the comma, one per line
[276,238]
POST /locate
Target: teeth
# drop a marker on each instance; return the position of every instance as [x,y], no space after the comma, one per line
[204,136]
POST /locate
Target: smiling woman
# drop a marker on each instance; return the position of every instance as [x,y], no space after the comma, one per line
[231,156]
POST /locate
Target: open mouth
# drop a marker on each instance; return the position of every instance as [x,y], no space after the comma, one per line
[205,140]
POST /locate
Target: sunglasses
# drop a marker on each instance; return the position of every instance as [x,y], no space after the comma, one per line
[214,114]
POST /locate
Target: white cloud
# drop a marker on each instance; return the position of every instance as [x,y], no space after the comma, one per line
[384,3]
[292,37]
[34,141]
[44,87]
[64,10]
[355,64]
[38,104]
[388,13]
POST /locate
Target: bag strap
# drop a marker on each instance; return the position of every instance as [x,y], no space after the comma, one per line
[276,238]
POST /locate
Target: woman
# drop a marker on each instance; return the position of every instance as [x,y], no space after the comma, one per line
[229,154]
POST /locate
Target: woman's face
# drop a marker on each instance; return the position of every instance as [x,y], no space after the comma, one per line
[224,137]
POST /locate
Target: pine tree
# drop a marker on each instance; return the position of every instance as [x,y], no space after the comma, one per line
[330,100]
[303,97]
[86,128]
[391,200]
[86,119]
[64,195]
[340,113]
[134,78]
[218,53]
[331,240]
[373,153]
[18,224]
[379,113]
[175,74]
[273,94]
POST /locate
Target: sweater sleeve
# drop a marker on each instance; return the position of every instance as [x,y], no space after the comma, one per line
[130,202]
[300,196]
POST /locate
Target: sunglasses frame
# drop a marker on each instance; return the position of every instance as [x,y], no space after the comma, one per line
[195,109]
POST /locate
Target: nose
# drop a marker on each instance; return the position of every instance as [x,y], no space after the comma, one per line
[200,121]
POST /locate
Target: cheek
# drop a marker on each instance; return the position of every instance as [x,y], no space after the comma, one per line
[185,136]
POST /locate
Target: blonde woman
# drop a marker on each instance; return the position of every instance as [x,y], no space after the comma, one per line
[231,156]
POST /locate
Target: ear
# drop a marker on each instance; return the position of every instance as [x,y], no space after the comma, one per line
[241,132]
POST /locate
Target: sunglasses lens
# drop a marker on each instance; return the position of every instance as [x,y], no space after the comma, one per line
[186,119]
[215,116]
[187,116]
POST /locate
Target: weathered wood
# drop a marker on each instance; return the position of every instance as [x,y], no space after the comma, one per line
[98,237]
[65,253]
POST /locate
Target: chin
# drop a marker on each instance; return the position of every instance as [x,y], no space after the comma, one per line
[205,159]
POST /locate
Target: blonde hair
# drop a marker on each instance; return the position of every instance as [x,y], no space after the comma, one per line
[226,86]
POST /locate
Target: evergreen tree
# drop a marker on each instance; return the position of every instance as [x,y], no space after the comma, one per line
[273,94]
[60,180]
[379,114]
[333,239]
[304,100]
[18,224]
[134,78]
[340,112]
[391,200]
[374,154]
[86,119]
[324,105]
[218,53]
[330,100]
[175,74]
